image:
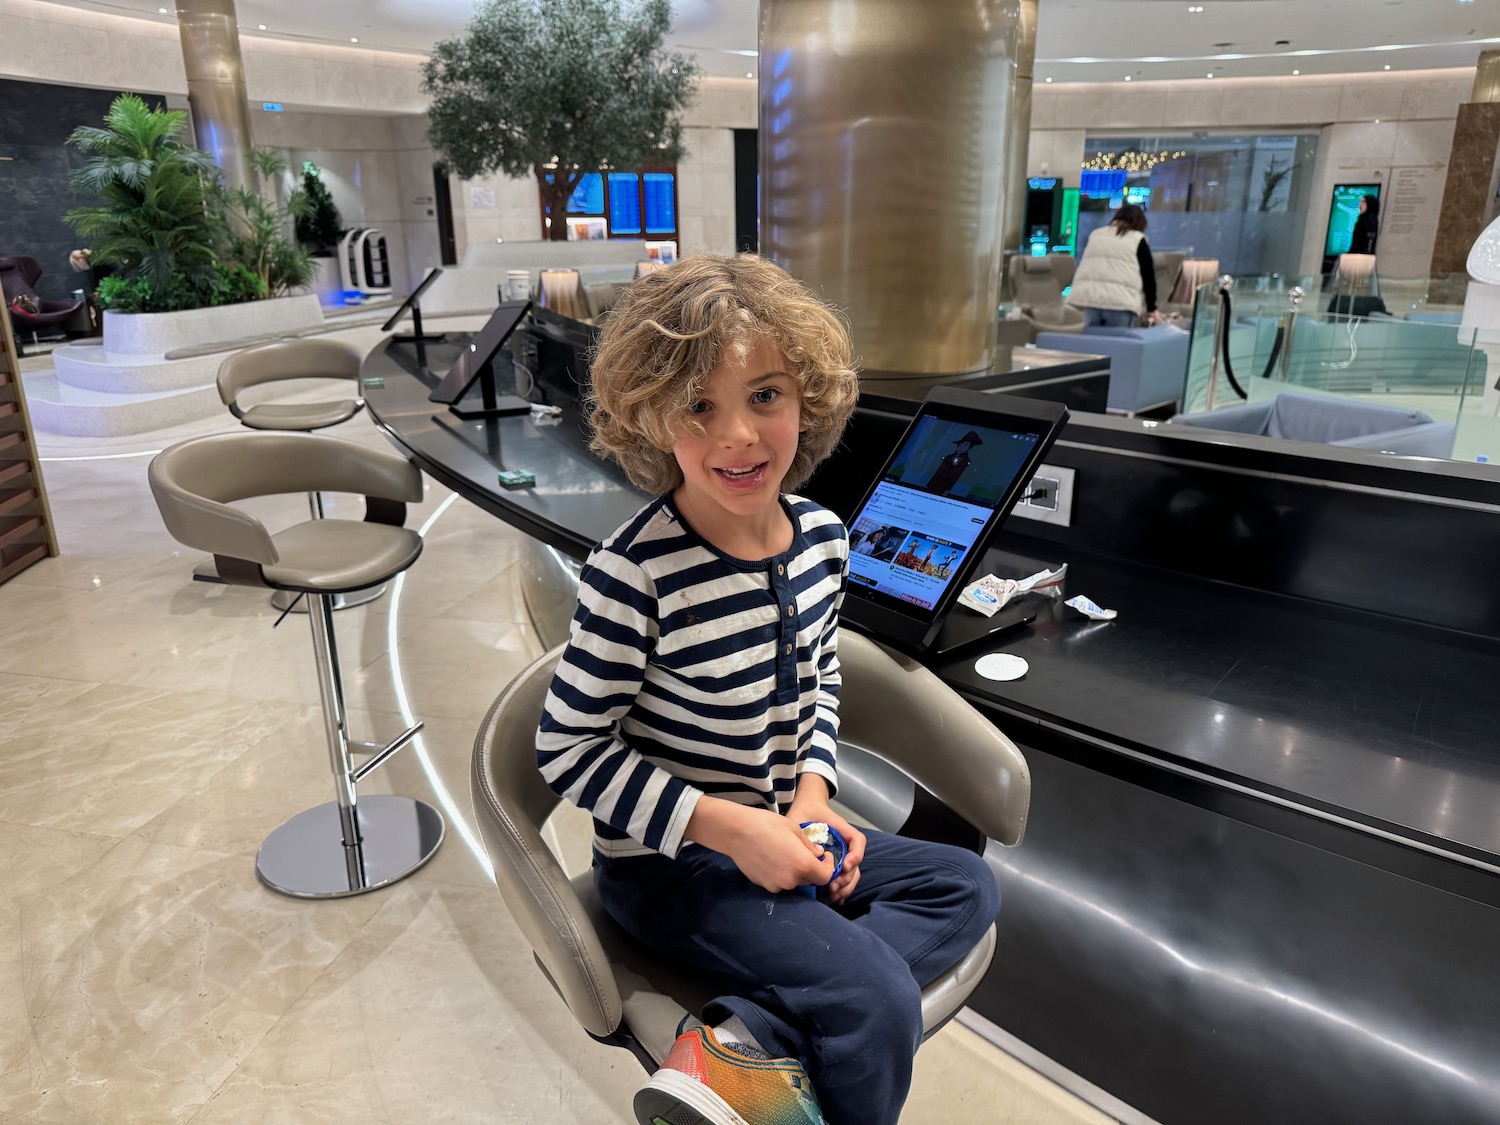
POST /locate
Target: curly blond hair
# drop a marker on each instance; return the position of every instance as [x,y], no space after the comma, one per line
[672,327]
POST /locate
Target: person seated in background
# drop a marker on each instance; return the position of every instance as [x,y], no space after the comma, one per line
[1115,286]
[695,714]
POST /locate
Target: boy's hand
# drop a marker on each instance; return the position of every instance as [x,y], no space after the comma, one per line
[769,850]
[811,803]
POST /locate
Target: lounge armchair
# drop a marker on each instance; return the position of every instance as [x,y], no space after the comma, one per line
[18,275]
[1333,421]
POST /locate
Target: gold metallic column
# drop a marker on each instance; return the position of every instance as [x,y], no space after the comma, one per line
[882,156]
[216,85]
[1487,78]
[1018,130]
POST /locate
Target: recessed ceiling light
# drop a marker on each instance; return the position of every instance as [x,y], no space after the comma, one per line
[1296,72]
[354,38]
[749,74]
[1049,80]
[1127,78]
[260,27]
[1388,66]
[163,11]
[1210,74]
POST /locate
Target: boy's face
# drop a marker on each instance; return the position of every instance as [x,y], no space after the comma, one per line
[751,417]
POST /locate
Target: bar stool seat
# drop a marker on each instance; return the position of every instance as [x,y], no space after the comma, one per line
[305,416]
[339,556]
[350,845]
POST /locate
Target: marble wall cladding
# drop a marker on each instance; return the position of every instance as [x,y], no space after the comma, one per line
[1468,196]
[35,160]
[705,192]
[724,103]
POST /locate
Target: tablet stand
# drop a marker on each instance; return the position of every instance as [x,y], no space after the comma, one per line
[417,336]
[489,403]
[966,629]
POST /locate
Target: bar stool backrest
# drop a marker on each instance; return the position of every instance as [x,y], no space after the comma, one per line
[287,359]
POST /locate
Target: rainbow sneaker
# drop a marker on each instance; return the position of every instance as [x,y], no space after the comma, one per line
[702,1082]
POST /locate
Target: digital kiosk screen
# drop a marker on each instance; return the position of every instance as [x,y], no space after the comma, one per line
[954,477]
[1342,215]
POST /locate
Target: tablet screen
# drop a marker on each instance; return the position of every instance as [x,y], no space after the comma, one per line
[472,360]
[954,476]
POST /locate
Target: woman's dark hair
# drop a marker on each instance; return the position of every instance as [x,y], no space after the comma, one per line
[1128,218]
[1372,206]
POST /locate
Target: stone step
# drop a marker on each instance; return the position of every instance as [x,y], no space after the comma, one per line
[89,367]
[58,408]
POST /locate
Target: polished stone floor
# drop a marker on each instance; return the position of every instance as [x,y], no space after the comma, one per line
[153,730]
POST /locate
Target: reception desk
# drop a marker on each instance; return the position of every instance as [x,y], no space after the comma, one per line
[1261,877]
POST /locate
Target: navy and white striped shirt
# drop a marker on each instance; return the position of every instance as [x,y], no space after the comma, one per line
[689,672]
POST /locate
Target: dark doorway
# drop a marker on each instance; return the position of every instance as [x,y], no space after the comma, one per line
[442,200]
[747,190]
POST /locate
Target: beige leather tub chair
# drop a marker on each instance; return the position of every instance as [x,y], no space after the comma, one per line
[972,785]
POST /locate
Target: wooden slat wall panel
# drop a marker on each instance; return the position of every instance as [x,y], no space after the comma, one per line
[26,532]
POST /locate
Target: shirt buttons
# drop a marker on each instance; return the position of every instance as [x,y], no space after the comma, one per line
[789,650]
[790,610]
[780,569]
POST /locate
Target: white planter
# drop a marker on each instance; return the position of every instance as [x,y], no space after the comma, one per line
[155,334]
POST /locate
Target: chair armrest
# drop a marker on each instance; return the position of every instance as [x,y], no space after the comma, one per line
[511,801]
[899,711]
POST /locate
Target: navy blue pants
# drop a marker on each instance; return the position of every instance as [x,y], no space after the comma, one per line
[838,987]
[1109,318]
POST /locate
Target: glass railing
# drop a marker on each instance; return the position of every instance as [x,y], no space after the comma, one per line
[1422,361]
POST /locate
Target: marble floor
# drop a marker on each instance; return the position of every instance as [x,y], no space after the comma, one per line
[153,730]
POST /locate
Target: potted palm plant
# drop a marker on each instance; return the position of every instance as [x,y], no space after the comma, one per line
[192,261]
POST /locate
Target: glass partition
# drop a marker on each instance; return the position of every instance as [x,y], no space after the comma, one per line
[1420,362]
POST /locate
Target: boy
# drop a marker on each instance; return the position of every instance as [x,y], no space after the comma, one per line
[695,714]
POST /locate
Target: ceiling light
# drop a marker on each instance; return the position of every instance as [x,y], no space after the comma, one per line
[163,11]
[1210,74]
[749,74]
[1049,80]
[1127,78]
[354,38]
[1296,72]
[260,27]
[1388,66]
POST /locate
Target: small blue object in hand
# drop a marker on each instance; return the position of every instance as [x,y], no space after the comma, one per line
[837,846]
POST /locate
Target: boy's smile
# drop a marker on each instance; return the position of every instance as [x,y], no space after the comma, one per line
[752,420]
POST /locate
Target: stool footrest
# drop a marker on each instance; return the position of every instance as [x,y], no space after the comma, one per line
[384,753]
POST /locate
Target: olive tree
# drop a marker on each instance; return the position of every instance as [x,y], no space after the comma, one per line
[559,88]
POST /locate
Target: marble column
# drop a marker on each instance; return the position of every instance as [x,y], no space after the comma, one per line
[1469,196]
[216,85]
[883,169]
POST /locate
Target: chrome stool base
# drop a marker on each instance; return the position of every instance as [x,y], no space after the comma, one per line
[306,856]
[281,599]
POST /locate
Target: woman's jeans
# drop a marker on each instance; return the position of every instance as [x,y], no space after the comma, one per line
[838,987]
[1108,318]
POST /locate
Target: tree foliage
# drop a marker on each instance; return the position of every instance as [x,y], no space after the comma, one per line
[258,231]
[320,228]
[559,88]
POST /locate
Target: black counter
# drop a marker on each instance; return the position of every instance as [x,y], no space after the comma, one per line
[1262,875]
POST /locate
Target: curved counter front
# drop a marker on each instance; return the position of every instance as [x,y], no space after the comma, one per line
[1261,879]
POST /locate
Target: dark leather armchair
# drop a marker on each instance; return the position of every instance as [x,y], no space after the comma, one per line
[17,277]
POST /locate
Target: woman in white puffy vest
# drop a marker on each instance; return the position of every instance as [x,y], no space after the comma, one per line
[1115,285]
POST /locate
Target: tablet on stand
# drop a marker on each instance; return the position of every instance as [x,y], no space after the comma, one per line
[922,529]
[476,363]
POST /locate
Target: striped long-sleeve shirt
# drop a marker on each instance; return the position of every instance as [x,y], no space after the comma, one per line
[688,672]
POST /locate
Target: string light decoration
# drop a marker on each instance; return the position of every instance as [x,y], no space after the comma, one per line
[1131,161]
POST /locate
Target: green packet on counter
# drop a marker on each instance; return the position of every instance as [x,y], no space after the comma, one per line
[517,478]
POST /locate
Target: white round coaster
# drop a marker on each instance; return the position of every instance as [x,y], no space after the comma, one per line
[1001,666]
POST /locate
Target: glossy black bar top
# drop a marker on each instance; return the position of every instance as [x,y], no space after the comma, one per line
[1386,723]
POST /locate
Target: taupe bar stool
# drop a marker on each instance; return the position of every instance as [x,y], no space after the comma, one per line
[277,362]
[344,847]
[971,785]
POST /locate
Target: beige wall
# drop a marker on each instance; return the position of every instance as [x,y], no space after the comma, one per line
[1394,128]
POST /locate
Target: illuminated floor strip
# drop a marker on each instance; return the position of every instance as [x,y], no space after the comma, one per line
[102,456]
[444,798]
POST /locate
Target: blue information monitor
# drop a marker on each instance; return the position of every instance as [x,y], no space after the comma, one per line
[1343,213]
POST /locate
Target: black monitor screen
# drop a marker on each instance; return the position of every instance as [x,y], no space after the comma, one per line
[472,360]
